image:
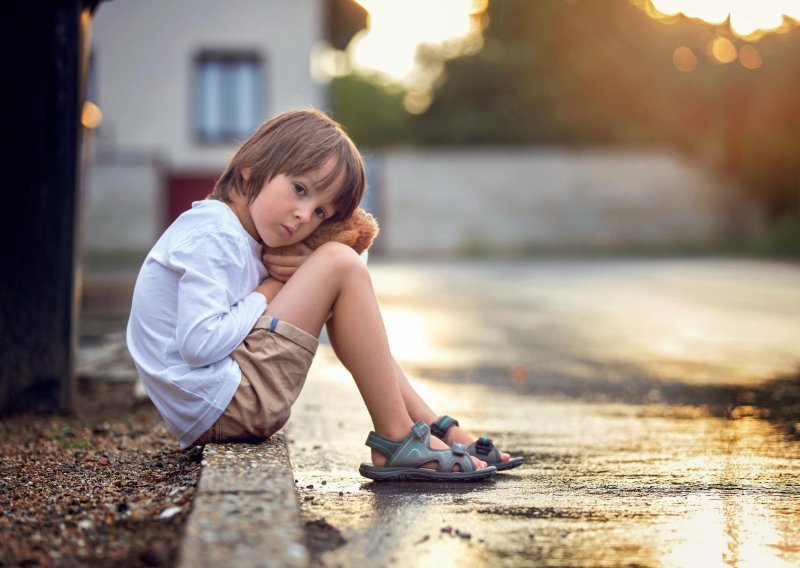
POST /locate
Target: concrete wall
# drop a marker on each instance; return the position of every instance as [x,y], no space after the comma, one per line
[446,200]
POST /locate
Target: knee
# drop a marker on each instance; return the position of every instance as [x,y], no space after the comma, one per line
[341,257]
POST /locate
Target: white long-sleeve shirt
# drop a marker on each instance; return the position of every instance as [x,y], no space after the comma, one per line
[192,305]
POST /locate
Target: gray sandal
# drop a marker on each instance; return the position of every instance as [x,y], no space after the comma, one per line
[483,448]
[406,457]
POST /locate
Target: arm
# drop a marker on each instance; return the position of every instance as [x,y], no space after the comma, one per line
[211,320]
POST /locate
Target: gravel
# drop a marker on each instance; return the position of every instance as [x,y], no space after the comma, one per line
[106,486]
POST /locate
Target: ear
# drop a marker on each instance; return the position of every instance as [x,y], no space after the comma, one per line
[246,173]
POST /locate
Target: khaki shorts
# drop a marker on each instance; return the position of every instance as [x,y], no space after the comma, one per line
[274,358]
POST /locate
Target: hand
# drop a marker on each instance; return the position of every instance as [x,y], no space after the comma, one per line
[280,267]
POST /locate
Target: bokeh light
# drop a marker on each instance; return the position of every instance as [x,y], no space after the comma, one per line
[417,101]
[684,59]
[749,57]
[723,50]
[91,115]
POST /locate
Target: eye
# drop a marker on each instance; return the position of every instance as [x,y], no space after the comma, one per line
[319,212]
[300,189]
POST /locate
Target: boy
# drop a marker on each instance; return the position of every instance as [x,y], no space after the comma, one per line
[223,342]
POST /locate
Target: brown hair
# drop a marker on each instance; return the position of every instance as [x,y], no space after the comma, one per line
[296,143]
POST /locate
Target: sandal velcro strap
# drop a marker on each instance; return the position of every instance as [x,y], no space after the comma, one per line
[459,449]
[483,446]
[420,430]
[384,445]
[442,425]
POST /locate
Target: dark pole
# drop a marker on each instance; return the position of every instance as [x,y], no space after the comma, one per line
[42,86]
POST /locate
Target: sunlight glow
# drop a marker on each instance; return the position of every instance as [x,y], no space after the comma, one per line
[408,334]
[396,30]
[729,528]
[747,17]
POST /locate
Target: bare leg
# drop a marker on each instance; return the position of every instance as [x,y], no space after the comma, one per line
[417,408]
[334,282]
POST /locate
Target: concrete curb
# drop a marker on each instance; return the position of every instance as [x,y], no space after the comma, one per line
[245,511]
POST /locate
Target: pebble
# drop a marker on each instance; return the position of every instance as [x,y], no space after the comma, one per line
[169,512]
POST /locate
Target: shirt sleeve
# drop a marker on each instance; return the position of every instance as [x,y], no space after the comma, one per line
[211,321]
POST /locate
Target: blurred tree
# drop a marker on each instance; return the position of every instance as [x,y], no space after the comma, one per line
[574,72]
[371,110]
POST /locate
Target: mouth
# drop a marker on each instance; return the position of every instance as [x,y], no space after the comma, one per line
[289,231]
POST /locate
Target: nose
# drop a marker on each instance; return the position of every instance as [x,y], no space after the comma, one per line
[303,214]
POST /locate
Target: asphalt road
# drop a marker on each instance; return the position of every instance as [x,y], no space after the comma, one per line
[655,402]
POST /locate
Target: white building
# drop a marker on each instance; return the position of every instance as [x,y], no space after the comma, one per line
[180,83]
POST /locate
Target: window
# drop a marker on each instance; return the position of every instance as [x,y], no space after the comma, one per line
[228,96]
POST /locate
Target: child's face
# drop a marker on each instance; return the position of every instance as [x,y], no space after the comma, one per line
[290,207]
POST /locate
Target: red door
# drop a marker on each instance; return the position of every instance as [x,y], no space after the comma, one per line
[183,189]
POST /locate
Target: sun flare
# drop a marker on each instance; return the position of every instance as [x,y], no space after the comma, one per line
[396,29]
[747,17]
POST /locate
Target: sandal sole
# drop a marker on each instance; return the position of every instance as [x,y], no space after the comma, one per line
[423,474]
[510,464]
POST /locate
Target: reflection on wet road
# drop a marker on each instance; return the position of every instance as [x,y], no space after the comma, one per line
[723,322]
[612,476]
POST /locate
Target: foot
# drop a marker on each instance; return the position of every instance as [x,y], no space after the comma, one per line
[379,459]
[456,434]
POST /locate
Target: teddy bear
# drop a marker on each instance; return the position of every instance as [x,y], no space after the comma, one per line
[357,231]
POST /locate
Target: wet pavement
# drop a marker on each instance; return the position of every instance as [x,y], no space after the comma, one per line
[655,401]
